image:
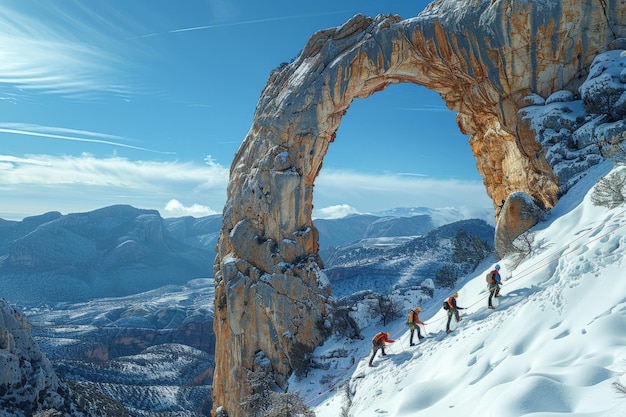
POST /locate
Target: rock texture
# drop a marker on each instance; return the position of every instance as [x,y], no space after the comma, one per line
[519,213]
[485,58]
[574,131]
[28,384]
[27,381]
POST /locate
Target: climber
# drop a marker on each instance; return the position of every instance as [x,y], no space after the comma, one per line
[493,284]
[453,309]
[378,342]
[413,323]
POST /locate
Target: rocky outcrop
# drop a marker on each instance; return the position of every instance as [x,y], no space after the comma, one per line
[485,58]
[27,380]
[518,214]
[575,131]
[29,385]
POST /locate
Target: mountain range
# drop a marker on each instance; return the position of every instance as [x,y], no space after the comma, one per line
[115,294]
[121,250]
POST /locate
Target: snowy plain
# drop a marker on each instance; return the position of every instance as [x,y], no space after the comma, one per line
[555,344]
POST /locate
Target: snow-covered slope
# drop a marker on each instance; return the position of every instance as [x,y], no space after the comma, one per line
[555,344]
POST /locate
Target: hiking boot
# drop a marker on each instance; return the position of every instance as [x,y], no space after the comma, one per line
[492,308]
[448,331]
[370,364]
[421,337]
[412,344]
[384,354]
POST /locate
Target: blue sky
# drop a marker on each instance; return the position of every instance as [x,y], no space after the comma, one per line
[145,102]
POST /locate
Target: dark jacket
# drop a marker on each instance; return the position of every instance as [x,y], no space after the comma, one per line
[452,304]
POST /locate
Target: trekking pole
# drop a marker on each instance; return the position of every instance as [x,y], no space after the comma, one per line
[424,327]
[401,345]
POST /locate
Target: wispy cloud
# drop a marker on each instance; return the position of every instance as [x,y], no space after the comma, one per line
[35,184]
[247,22]
[89,170]
[36,55]
[39,183]
[371,193]
[71,135]
[426,108]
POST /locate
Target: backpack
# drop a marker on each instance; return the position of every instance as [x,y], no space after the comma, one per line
[446,306]
[489,278]
[411,317]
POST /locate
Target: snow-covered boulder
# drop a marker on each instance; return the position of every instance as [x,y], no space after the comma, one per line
[604,86]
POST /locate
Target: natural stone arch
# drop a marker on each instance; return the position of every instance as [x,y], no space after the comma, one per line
[483,57]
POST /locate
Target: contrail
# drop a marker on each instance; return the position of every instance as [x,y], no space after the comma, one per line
[426,108]
[77,139]
[246,22]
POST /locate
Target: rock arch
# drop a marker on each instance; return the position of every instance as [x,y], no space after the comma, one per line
[483,57]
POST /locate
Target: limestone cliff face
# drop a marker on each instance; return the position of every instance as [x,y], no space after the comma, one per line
[28,384]
[483,57]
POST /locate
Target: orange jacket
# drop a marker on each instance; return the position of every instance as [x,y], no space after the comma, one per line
[416,318]
[452,304]
[381,337]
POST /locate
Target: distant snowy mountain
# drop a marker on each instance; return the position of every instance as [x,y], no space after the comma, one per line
[389,224]
[121,250]
[554,345]
[113,251]
[442,215]
[383,265]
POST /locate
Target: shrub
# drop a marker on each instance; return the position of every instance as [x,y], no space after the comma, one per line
[609,191]
[288,404]
[615,149]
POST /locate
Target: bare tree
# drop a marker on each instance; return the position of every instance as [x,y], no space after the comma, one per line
[470,249]
[523,247]
[387,308]
[258,401]
[301,359]
[345,325]
[288,404]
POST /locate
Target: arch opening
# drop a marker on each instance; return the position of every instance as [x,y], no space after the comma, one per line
[411,169]
[404,143]
[268,263]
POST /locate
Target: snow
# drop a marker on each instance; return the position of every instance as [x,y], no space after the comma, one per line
[554,345]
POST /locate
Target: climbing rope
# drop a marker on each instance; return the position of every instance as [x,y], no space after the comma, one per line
[545,261]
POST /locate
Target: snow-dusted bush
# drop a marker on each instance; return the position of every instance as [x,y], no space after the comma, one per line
[288,404]
[610,191]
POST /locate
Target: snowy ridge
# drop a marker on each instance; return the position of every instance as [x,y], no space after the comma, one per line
[555,344]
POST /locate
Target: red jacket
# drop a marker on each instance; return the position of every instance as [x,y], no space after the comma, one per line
[381,338]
